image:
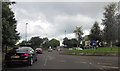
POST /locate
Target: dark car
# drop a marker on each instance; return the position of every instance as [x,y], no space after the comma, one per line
[39,50]
[24,55]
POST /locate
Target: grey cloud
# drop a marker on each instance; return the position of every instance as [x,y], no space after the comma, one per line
[52,9]
[49,10]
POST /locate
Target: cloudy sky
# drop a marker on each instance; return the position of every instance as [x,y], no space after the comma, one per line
[51,19]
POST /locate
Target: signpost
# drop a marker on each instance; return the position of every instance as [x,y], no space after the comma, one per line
[94,44]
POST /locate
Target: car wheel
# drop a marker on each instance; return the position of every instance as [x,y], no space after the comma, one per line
[30,61]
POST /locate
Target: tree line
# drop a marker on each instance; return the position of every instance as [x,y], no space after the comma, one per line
[37,42]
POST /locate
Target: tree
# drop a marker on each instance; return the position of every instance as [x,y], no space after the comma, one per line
[78,32]
[36,42]
[22,43]
[54,43]
[74,42]
[95,32]
[118,26]
[70,42]
[65,41]
[45,43]
[9,33]
[109,24]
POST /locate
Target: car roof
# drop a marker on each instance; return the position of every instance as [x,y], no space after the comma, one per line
[24,48]
[38,48]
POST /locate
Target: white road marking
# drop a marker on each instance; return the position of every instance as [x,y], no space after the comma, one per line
[102,69]
[110,67]
[84,62]
[105,63]
[45,61]
[90,63]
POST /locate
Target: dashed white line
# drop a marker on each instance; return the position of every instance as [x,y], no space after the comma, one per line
[45,61]
[84,62]
[90,63]
[105,63]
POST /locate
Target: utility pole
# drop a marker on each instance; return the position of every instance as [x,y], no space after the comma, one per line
[64,40]
[46,35]
[26,31]
[65,33]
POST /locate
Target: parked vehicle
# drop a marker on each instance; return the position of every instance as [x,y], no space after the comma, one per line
[54,48]
[78,48]
[50,50]
[70,49]
[24,55]
[39,50]
[58,48]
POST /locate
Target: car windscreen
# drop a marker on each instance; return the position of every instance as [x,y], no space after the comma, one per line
[23,50]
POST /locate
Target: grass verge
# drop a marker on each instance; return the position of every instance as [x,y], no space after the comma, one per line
[102,49]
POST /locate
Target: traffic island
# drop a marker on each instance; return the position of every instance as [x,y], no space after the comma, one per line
[103,51]
[92,53]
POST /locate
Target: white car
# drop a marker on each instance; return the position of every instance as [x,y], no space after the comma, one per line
[70,49]
[79,48]
[50,50]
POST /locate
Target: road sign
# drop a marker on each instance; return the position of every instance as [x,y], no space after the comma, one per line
[94,44]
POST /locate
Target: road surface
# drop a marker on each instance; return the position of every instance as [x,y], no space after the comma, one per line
[0,59]
[54,60]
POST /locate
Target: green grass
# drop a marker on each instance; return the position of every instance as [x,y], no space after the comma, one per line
[102,49]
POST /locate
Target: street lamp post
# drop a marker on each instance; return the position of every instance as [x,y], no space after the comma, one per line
[65,33]
[64,40]
[26,32]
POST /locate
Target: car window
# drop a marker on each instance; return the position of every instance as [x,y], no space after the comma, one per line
[23,50]
[31,49]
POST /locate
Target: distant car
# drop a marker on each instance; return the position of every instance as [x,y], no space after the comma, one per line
[54,49]
[22,55]
[70,49]
[79,48]
[50,50]
[39,50]
[58,49]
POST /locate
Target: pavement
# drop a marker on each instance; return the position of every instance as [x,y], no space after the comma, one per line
[54,60]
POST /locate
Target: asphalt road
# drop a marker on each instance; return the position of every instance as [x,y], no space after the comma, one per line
[0,59]
[53,60]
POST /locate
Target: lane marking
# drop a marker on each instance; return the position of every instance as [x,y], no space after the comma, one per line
[105,63]
[102,69]
[45,61]
[90,63]
[110,67]
[84,62]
